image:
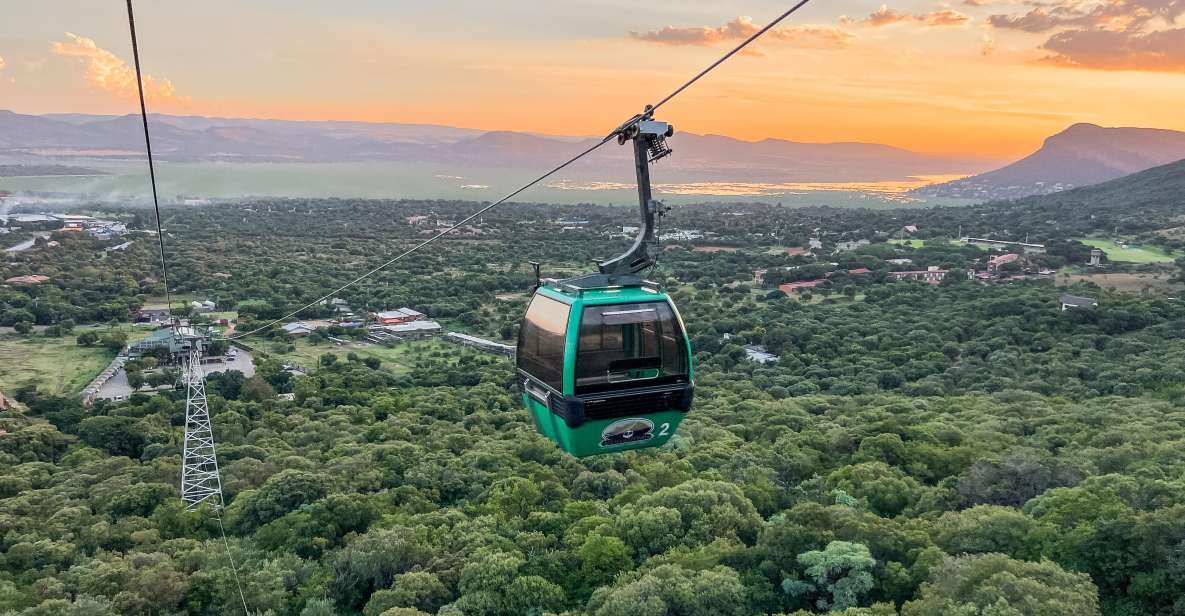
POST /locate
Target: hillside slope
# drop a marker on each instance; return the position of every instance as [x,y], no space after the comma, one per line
[1144,201]
[1081,155]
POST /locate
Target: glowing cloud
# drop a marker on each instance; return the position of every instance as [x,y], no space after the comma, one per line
[1111,35]
[741,28]
[106,71]
[1162,50]
[885,16]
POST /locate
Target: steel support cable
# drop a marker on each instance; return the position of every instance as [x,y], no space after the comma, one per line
[233,568]
[164,261]
[621,129]
[745,43]
[430,240]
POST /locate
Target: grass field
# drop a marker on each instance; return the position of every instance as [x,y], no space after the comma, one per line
[58,365]
[398,359]
[1126,283]
[1147,254]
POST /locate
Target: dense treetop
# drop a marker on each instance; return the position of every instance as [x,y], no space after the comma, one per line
[917,450]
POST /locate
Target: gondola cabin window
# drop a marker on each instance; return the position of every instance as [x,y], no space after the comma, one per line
[541,341]
[629,345]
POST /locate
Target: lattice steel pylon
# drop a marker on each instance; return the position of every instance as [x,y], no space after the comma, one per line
[200,480]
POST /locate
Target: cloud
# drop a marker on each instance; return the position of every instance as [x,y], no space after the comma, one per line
[885,16]
[1106,14]
[106,71]
[1160,50]
[1106,34]
[742,28]
[987,45]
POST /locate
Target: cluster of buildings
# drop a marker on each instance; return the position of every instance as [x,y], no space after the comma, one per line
[382,327]
[804,285]
[68,223]
[930,275]
[392,326]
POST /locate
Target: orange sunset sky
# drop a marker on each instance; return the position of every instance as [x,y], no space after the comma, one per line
[986,76]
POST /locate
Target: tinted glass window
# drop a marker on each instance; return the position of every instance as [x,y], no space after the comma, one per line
[629,345]
[541,341]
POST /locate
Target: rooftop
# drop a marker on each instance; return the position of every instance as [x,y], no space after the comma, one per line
[401,313]
[34,279]
[413,326]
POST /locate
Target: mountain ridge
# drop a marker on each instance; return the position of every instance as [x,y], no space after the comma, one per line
[1083,154]
[708,158]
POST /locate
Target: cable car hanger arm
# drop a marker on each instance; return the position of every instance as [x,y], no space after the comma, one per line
[649,139]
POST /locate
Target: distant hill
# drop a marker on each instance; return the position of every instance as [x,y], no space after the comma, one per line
[707,158]
[1081,155]
[16,171]
[1146,201]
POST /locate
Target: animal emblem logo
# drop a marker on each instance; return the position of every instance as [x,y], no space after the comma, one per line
[625,431]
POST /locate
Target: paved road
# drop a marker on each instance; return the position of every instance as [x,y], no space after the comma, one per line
[25,245]
[118,389]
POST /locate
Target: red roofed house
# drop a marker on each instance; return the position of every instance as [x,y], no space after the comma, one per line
[794,287]
[994,263]
[860,270]
[35,279]
[395,317]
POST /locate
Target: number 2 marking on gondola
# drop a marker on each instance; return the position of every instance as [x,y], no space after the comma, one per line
[664,429]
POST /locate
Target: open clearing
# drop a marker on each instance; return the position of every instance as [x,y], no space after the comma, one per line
[58,365]
[1126,283]
[1147,254]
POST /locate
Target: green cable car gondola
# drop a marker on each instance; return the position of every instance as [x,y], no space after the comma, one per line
[604,359]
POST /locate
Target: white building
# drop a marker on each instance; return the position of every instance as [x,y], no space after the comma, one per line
[758,354]
[297,329]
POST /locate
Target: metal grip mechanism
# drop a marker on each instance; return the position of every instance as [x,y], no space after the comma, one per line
[650,144]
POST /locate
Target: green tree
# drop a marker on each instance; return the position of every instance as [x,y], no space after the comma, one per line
[416,589]
[119,436]
[371,561]
[997,585]
[991,528]
[281,494]
[670,590]
[602,558]
[837,575]
[255,389]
